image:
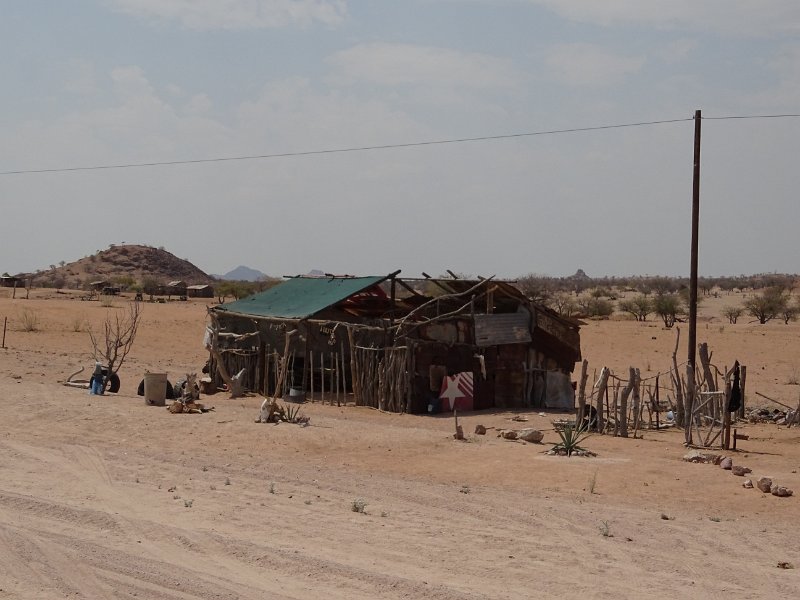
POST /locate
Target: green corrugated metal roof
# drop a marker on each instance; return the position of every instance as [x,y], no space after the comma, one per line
[300,297]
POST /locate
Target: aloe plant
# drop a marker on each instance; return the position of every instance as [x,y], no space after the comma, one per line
[571,437]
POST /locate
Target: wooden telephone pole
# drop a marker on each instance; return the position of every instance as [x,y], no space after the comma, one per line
[690,396]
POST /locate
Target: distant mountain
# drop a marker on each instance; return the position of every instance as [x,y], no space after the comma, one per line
[242,273]
[127,261]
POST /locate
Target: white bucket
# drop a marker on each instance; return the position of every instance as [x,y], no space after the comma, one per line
[155,389]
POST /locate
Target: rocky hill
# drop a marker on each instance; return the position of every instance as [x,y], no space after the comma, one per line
[127,265]
[242,273]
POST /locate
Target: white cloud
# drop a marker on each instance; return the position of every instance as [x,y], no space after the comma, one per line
[406,64]
[237,14]
[590,65]
[677,50]
[785,93]
[80,78]
[739,17]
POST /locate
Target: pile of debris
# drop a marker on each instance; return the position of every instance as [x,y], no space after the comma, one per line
[770,415]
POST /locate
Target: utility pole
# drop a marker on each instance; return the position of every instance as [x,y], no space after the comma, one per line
[695,231]
[693,277]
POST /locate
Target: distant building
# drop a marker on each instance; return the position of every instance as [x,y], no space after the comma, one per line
[175,288]
[200,291]
[11,281]
[98,285]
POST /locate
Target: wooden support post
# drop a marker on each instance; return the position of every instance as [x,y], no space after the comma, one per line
[742,380]
[338,377]
[343,371]
[311,369]
[459,434]
[5,323]
[353,365]
[582,394]
[636,402]
[602,393]
[738,436]
[332,363]
[322,376]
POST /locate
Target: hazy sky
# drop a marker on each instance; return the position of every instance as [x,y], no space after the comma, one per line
[105,82]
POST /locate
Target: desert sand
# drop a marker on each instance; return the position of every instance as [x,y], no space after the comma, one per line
[106,497]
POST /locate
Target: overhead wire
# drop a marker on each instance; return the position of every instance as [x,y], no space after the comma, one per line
[462,140]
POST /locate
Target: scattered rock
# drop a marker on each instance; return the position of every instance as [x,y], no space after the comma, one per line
[509,435]
[533,436]
[764,484]
[740,471]
[780,491]
[726,463]
[563,452]
[785,565]
[695,456]
[748,484]
[480,430]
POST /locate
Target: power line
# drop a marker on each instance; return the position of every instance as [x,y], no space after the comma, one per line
[382,146]
[789,115]
[338,150]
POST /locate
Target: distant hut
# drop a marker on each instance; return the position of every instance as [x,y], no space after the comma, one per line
[11,281]
[97,286]
[200,291]
[175,288]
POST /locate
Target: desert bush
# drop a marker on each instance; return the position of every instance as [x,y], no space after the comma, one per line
[78,323]
[358,505]
[768,304]
[595,307]
[29,320]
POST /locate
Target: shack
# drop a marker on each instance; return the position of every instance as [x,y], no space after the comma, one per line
[11,281]
[403,345]
[200,291]
[174,288]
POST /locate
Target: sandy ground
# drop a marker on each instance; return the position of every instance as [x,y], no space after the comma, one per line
[105,497]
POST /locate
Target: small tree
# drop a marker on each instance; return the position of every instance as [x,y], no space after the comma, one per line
[564,304]
[732,313]
[639,306]
[119,333]
[669,307]
[768,304]
[538,288]
[789,313]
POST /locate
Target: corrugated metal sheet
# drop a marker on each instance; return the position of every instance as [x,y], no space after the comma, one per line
[300,297]
[558,329]
[507,328]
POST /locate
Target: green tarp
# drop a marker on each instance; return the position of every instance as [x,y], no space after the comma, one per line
[300,297]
